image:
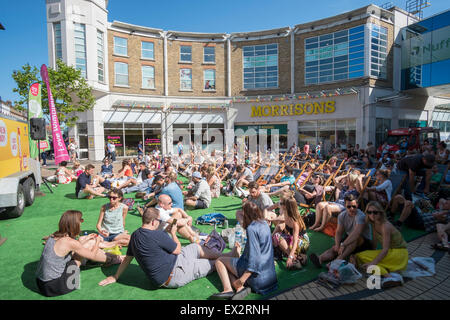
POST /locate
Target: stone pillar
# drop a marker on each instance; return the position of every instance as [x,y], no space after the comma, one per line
[228,121]
[292,127]
[96,134]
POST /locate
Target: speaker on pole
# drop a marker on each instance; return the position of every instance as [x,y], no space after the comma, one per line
[37,129]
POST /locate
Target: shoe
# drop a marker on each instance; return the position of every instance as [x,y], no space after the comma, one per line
[393,280]
[315,260]
[241,294]
[140,194]
[222,296]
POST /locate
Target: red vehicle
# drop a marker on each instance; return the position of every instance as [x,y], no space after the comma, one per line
[410,139]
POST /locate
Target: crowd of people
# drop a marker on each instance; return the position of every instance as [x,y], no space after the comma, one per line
[361,199]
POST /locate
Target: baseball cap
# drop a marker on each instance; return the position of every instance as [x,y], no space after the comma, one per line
[197,175]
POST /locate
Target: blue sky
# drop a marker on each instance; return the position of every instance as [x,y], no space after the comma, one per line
[25,38]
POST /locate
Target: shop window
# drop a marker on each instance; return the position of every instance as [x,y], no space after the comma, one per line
[381,130]
[115,136]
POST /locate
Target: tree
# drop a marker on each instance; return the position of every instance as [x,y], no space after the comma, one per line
[70,90]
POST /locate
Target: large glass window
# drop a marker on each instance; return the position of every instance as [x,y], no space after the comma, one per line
[58,43]
[121,73]
[185,79]
[186,53]
[261,66]
[80,47]
[332,133]
[120,46]
[114,134]
[147,51]
[209,78]
[100,57]
[335,56]
[133,134]
[209,54]
[378,51]
[152,137]
[148,77]
[381,130]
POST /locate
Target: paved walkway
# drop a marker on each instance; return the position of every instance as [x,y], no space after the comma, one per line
[423,288]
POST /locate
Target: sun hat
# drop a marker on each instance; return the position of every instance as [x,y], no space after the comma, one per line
[197,175]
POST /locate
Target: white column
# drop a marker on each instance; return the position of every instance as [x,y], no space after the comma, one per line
[292,127]
[96,130]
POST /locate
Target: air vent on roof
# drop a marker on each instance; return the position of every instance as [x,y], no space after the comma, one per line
[55,8]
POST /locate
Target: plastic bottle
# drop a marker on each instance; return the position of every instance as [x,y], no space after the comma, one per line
[244,238]
[238,233]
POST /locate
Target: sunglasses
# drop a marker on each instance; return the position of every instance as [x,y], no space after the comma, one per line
[375,213]
[113,197]
[351,207]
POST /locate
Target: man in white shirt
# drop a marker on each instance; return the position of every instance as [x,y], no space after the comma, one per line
[200,195]
[167,215]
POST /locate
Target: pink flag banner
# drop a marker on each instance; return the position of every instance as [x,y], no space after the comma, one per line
[59,146]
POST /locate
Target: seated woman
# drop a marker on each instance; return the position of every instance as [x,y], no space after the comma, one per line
[63,254]
[213,182]
[308,170]
[255,267]
[77,169]
[291,237]
[64,175]
[125,172]
[394,253]
[134,164]
[345,185]
[111,222]
[106,170]
[383,190]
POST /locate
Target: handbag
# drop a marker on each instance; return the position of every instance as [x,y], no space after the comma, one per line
[129,203]
[215,242]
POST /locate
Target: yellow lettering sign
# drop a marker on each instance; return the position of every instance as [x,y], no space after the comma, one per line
[291,110]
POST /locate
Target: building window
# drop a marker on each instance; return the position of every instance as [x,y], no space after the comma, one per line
[378,51]
[185,79]
[58,43]
[261,66]
[148,77]
[209,79]
[381,130]
[121,73]
[186,53]
[147,51]
[209,54]
[100,57]
[80,48]
[335,56]
[120,46]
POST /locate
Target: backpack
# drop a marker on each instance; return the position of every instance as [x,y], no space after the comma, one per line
[344,271]
[129,203]
[211,218]
[215,242]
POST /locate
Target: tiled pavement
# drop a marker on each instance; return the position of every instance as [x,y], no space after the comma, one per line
[423,288]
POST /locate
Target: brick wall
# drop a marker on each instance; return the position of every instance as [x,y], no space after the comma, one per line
[197,66]
[135,63]
[284,67]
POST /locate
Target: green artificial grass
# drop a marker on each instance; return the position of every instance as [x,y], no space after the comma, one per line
[21,253]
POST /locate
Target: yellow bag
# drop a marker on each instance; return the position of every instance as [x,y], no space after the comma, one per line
[115,250]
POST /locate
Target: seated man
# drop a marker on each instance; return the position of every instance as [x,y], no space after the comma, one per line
[286,183]
[200,195]
[88,188]
[262,201]
[243,176]
[351,222]
[168,214]
[163,260]
[408,213]
[172,189]
[143,175]
[106,169]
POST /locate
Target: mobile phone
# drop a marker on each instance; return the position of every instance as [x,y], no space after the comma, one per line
[174,222]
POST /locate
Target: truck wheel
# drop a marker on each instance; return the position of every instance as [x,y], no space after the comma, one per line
[29,191]
[15,212]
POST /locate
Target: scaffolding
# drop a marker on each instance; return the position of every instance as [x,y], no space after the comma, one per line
[416,7]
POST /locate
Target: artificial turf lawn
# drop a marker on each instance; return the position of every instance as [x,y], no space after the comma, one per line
[20,254]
